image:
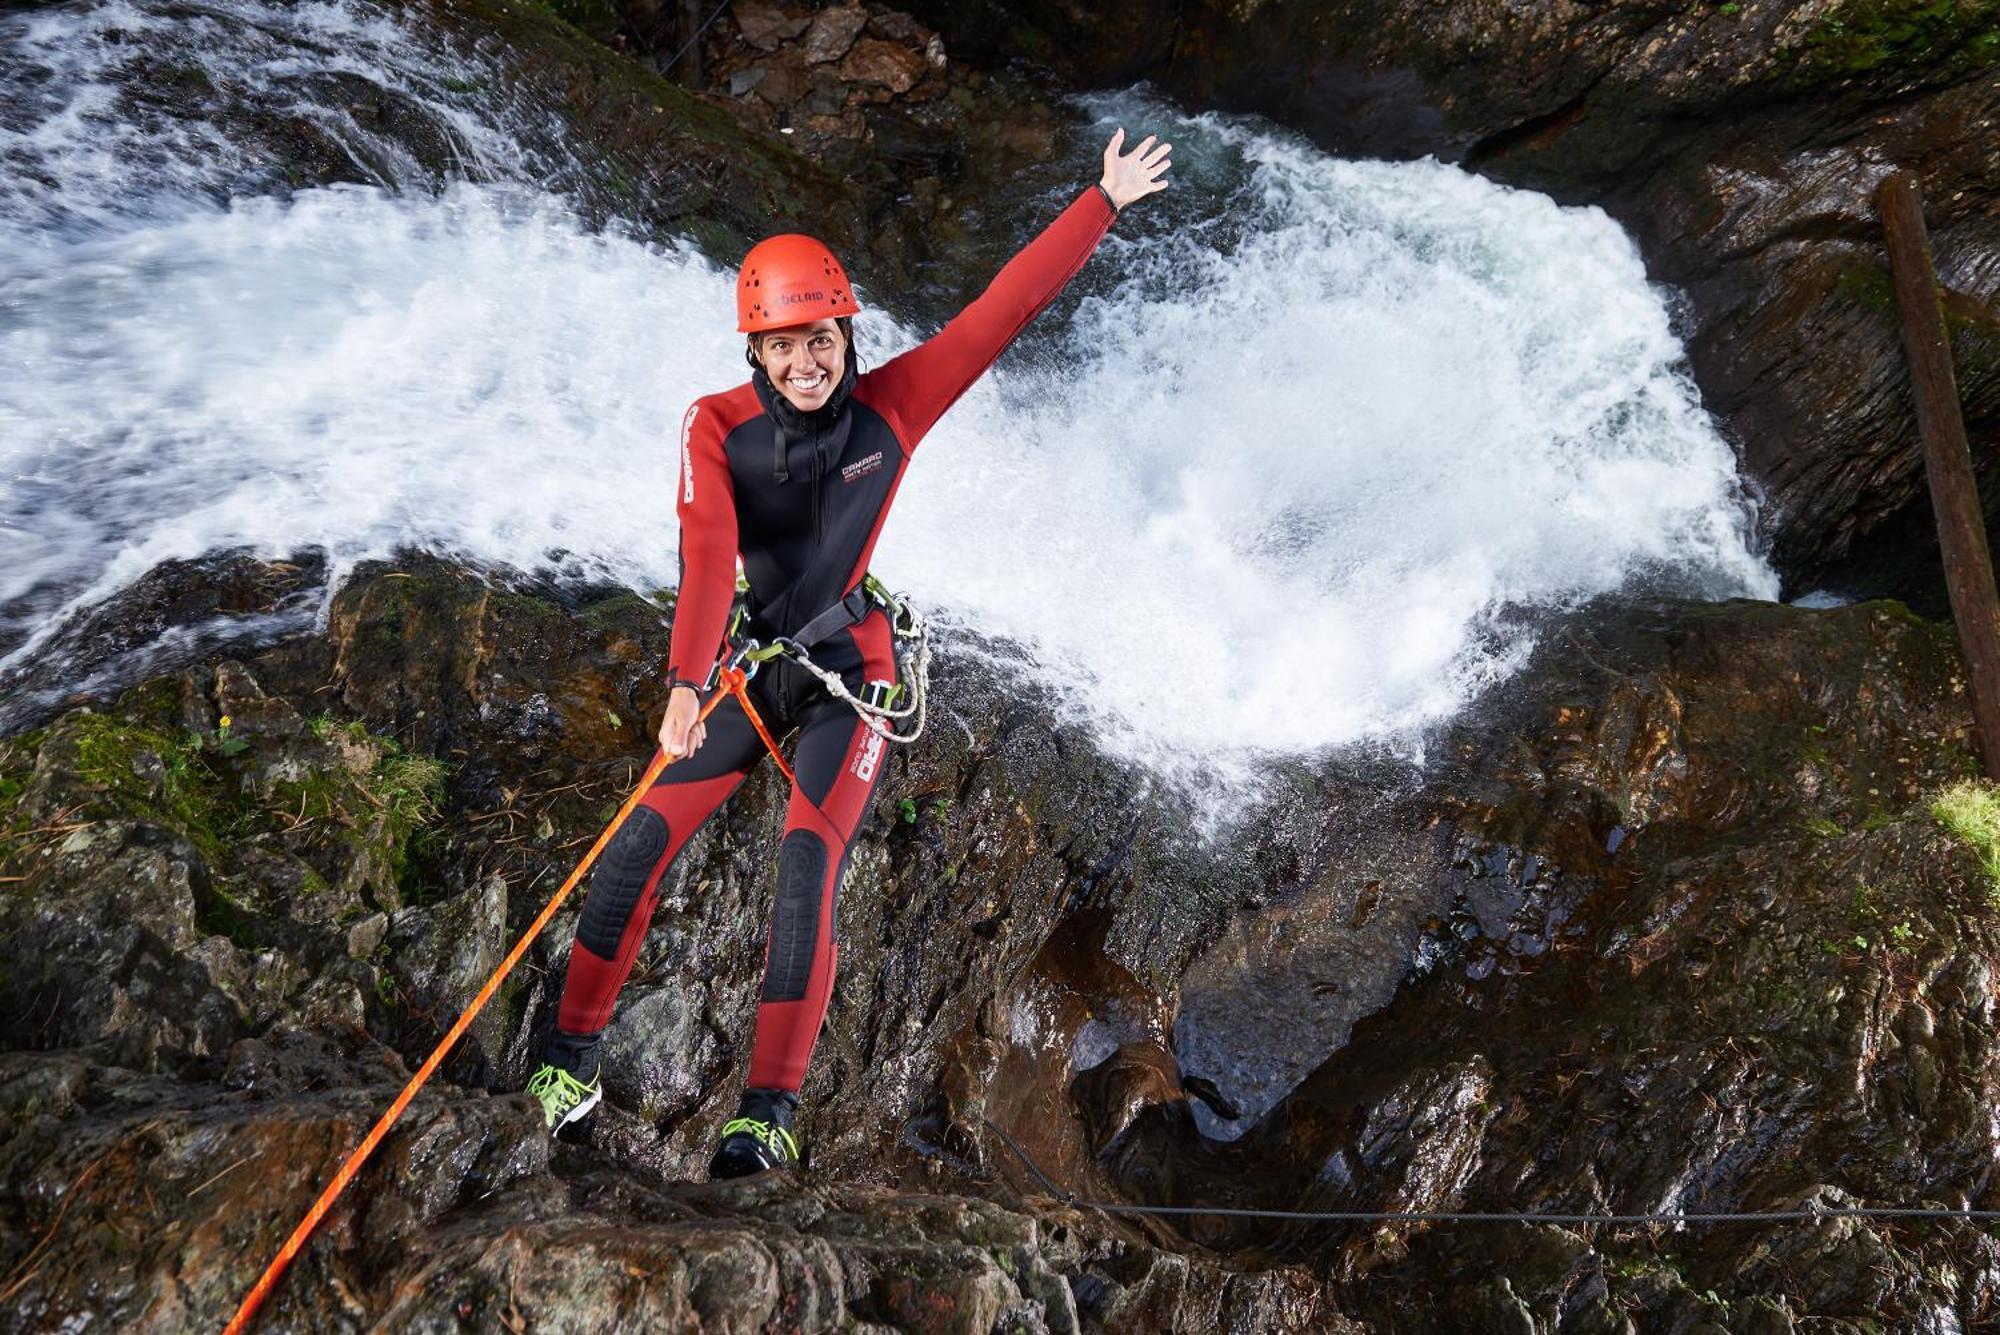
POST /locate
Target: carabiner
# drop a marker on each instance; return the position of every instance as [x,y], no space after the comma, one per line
[743,656]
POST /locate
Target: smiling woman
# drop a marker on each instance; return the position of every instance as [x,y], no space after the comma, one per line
[793,475]
[803,361]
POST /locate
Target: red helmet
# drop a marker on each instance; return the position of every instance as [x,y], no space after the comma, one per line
[788,280]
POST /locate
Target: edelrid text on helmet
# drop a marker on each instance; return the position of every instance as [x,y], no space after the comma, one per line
[790,279]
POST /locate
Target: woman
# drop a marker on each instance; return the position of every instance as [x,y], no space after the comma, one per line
[793,471]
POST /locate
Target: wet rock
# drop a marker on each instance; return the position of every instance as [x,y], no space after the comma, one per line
[1689,1018]
[441,954]
[766,26]
[663,1054]
[893,67]
[1425,1137]
[461,1220]
[102,935]
[366,937]
[229,599]
[832,32]
[1114,1092]
[1460,994]
[1279,990]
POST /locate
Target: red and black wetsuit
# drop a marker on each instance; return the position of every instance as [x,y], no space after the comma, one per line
[802,498]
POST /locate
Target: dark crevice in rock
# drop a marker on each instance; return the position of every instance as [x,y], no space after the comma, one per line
[1536,132]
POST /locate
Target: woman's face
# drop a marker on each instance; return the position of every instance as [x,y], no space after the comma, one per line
[804,361]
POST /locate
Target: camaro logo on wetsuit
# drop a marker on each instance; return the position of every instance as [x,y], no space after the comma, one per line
[687,454]
[864,763]
[861,468]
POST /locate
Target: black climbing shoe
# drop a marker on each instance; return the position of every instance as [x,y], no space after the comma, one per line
[564,1098]
[567,1084]
[761,1135]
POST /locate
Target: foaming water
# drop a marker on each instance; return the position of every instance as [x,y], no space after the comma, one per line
[354,371]
[1297,470]
[1291,481]
[115,113]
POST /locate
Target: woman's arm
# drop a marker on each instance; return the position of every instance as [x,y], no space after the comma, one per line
[917,387]
[706,503]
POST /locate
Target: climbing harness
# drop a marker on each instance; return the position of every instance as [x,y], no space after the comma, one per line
[879,705]
[733,681]
[1491,1216]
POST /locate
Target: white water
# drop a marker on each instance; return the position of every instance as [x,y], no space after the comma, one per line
[1277,485]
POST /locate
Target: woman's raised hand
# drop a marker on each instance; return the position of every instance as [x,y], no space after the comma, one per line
[1134,175]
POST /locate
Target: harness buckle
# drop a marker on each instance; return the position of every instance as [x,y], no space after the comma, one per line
[881,694]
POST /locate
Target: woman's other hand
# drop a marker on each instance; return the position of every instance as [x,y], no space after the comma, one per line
[1134,175]
[681,731]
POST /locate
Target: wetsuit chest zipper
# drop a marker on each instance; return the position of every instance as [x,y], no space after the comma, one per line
[818,492]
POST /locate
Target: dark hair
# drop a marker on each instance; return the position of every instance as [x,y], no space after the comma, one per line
[845,322]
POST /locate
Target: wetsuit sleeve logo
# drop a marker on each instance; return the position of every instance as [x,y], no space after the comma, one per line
[687,454]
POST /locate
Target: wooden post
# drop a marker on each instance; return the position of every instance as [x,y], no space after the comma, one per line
[1968,564]
[691,73]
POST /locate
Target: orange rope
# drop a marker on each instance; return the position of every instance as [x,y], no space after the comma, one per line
[733,680]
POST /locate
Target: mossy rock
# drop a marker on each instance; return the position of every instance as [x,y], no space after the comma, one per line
[1937,40]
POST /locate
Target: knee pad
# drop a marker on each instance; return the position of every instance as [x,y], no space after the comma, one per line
[618,881]
[795,916]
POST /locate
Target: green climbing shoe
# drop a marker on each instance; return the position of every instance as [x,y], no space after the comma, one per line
[563,1097]
[759,1137]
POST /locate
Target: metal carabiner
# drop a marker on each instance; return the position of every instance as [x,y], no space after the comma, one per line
[742,656]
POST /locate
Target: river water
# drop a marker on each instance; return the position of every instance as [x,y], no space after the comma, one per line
[1301,462]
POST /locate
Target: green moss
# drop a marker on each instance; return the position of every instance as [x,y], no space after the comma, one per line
[1939,38]
[596,17]
[219,913]
[1868,286]
[410,788]
[17,767]
[515,993]
[1861,905]
[158,698]
[405,788]
[1970,810]
[179,789]
[529,608]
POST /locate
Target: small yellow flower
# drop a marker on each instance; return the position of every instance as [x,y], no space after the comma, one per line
[225,721]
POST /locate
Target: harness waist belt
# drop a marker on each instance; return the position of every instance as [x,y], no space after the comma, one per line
[847,612]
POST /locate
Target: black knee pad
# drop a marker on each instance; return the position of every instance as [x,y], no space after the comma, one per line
[618,880]
[795,916]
